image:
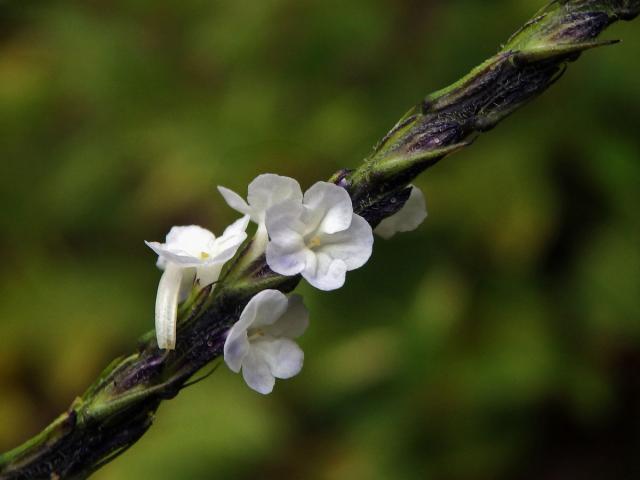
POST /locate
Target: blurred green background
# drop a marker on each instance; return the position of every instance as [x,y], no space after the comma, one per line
[500,340]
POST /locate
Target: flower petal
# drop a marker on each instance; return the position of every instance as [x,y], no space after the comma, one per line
[247,316]
[286,261]
[293,323]
[353,246]
[324,272]
[234,200]
[225,247]
[270,189]
[286,251]
[236,347]
[257,374]
[165,255]
[268,306]
[408,218]
[237,228]
[184,246]
[191,238]
[330,207]
[283,356]
[167,307]
[283,222]
[264,308]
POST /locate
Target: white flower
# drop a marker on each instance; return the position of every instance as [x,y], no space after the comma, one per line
[264,192]
[189,253]
[408,218]
[260,343]
[320,237]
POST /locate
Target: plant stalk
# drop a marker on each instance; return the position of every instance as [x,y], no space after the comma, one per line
[121,404]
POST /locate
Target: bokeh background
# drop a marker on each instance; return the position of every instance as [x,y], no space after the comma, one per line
[500,340]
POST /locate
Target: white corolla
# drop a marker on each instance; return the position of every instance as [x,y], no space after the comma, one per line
[408,218]
[189,254]
[261,342]
[319,237]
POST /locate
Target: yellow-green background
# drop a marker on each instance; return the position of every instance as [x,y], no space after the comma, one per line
[500,340]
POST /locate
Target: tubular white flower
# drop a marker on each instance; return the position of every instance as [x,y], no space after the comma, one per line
[264,192]
[408,218]
[261,342]
[320,237]
[189,253]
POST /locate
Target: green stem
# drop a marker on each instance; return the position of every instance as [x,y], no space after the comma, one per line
[119,407]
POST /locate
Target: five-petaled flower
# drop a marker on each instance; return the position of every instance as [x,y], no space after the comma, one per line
[408,218]
[189,253]
[264,191]
[319,237]
[261,341]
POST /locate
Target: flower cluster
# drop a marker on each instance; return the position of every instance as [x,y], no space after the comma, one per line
[315,234]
